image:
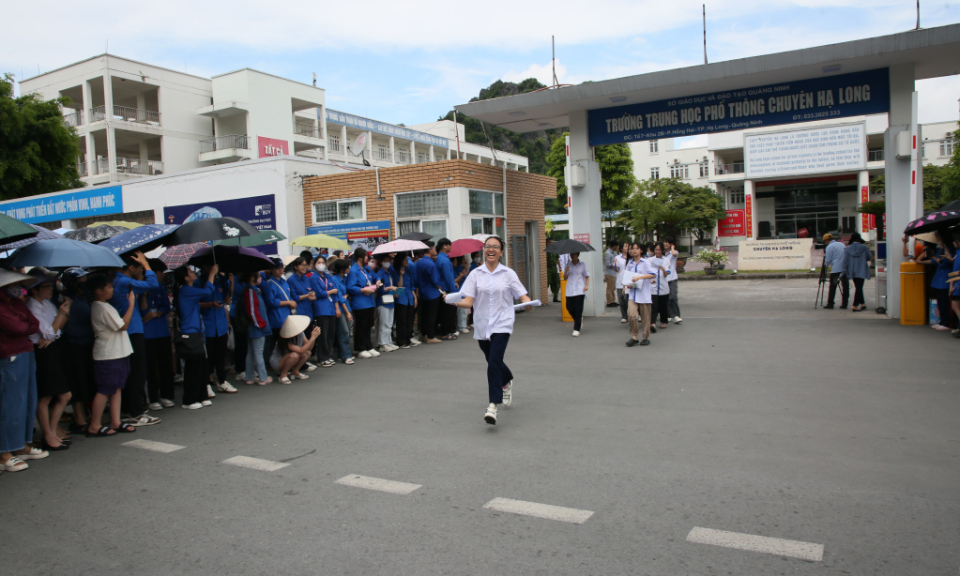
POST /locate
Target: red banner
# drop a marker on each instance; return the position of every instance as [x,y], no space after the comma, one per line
[272,147]
[868,221]
[733,225]
[585,238]
[748,216]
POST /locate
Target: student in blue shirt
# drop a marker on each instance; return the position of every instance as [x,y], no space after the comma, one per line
[447,313]
[944,259]
[134,398]
[280,304]
[324,312]
[405,302]
[300,288]
[386,299]
[341,268]
[250,306]
[362,286]
[187,299]
[216,326]
[239,338]
[154,307]
[428,284]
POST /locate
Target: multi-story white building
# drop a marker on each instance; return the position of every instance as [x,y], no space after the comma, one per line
[783,207]
[135,119]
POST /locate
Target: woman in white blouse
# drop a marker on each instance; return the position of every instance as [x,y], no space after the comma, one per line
[578,282]
[53,388]
[490,290]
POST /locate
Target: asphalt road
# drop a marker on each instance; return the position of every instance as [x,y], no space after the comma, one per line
[757,416]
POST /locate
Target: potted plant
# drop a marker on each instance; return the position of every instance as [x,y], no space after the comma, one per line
[713,259]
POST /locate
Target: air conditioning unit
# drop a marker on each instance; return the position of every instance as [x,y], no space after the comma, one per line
[704,158]
[575,176]
[676,161]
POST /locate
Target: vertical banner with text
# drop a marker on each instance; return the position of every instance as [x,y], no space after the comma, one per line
[867,221]
[748,199]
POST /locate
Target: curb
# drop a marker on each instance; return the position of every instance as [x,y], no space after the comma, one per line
[784,276]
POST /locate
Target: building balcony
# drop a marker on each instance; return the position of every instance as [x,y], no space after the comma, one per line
[81,168]
[225,148]
[133,167]
[224,109]
[134,115]
[875,156]
[75,119]
[724,169]
[308,130]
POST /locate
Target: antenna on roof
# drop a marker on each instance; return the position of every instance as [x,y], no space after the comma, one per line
[553,59]
[918,14]
[705,33]
[314,79]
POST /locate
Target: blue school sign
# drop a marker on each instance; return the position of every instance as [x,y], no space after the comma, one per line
[67,206]
[826,98]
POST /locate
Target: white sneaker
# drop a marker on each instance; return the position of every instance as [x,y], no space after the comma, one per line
[373,353]
[210,391]
[241,377]
[194,406]
[227,388]
[207,403]
[576,333]
[365,354]
[310,367]
[677,320]
[393,346]
[178,378]
[167,403]
[508,395]
[465,331]
[385,348]
[623,320]
[490,417]
[155,406]
[415,341]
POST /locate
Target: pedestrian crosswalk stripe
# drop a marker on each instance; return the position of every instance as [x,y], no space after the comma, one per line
[547,511]
[753,543]
[154,446]
[255,463]
[380,484]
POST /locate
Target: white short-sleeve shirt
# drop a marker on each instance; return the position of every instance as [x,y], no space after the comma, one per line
[493,294]
[659,285]
[621,263]
[577,278]
[640,293]
[110,343]
[672,259]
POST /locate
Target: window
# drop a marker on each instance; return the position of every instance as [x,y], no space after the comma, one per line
[736,198]
[704,170]
[334,143]
[486,202]
[947,147]
[655,173]
[679,171]
[403,156]
[339,210]
[422,204]
[654,148]
[422,157]
[383,152]
[436,228]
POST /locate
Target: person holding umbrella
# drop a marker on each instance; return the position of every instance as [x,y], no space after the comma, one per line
[155,306]
[428,287]
[216,326]
[362,285]
[578,282]
[493,287]
[186,301]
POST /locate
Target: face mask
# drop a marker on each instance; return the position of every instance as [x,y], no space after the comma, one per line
[477,260]
[386,265]
[14,290]
[322,267]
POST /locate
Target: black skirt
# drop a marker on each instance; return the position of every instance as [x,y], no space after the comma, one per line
[78,368]
[50,370]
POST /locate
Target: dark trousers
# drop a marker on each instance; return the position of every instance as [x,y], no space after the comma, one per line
[269,342]
[553,279]
[239,347]
[660,303]
[624,301]
[673,305]
[362,325]
[447,314]
[575,308]
[404,321]
[943,305]
[844,283]
[343,337]
[428,317]
[159,368]
[195,372]
[858,293]
[328,337]
[217,356]
[133,401]
[498,375]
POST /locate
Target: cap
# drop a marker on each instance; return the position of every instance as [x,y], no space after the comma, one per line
[827,237]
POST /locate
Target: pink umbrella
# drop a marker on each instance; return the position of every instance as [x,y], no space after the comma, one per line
[465,246]
[177,256]
[400,245]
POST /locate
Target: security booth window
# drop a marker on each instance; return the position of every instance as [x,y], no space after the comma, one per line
[423,212]
[339,211]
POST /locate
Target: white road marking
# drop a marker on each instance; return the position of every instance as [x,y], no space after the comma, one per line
[560,513]
[154,446]
[255,463]
[380,484]
[752,543]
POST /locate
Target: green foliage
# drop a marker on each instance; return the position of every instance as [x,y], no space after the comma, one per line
[878,208]
[712,257]
[38,152]
[668,205]
[941,184]
[616,172]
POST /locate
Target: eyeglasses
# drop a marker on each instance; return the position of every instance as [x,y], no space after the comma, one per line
[491,246]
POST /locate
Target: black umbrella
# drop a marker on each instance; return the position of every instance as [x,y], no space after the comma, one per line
[418,236]
[933,222]
[210,229]
[569,246]
[954,206]
[232,258]
[95,234]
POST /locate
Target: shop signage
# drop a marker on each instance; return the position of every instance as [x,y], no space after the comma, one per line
[868,221]
[272,147]
[259,211]
[365,124]
[841,147]
[733,224]
[825,98]
[792,254]
[585,238]
[366,235]
[68,206]
[748,215]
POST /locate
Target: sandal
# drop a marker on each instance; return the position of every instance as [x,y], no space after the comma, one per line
[48,447]
[102,432]
[285,380]
[125,429]
[301,376]
[14,464]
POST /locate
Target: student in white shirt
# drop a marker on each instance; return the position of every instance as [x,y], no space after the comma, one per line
[636,286]
[673,304]
[490,290]
[659,287]
[578,282]
[620,262]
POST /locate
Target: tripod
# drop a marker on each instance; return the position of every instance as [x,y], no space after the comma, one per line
[823,285]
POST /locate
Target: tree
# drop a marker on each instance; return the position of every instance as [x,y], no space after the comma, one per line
[38,151]
[668,205]
[617,181]
[702,205]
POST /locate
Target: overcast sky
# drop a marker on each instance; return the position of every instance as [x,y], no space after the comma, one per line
[410,62]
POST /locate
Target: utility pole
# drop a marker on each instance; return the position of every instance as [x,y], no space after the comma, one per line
[705,33]
[553,60]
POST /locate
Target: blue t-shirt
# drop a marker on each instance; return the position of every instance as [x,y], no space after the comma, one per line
[122,285]
[158,301]
[325,304]
[357,280]
[275,291]
[214,319]
[428,279]
[188,305]
[298,287]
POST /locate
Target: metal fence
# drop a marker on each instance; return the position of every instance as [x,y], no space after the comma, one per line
[306,130]
[75,119]
[734,168]
[224,143]
[135,166]
[875,156]
[126,114]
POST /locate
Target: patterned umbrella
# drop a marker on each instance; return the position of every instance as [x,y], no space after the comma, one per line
[143,238]
[177,256]
[42,234]
[933,222]
[118,224]
[94,234]
[400,245]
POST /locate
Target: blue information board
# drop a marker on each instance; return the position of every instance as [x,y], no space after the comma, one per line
[824,98]
[81,203]
[368,235]
[258,211]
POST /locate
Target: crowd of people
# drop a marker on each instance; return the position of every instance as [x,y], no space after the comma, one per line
[83,343]
[942,278]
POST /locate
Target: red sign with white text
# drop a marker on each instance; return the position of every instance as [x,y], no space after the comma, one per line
[734,224]
[868,221]
[585,238]
[272,147]
[748,215]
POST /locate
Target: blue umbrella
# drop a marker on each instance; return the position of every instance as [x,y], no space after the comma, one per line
[65,253]
[143,238]
[42,234]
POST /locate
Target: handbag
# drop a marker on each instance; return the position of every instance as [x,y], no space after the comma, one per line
[188,345]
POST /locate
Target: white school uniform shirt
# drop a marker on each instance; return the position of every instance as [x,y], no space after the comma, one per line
[577,279]
[669,257]
[493,294]
[641,292]
[45,313]
[658,286]
[621,263]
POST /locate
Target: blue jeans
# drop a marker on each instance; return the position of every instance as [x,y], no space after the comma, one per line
[18,400]
[343,337]
[255,365]
[498,375]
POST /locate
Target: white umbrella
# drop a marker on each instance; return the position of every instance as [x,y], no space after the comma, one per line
[400,245]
